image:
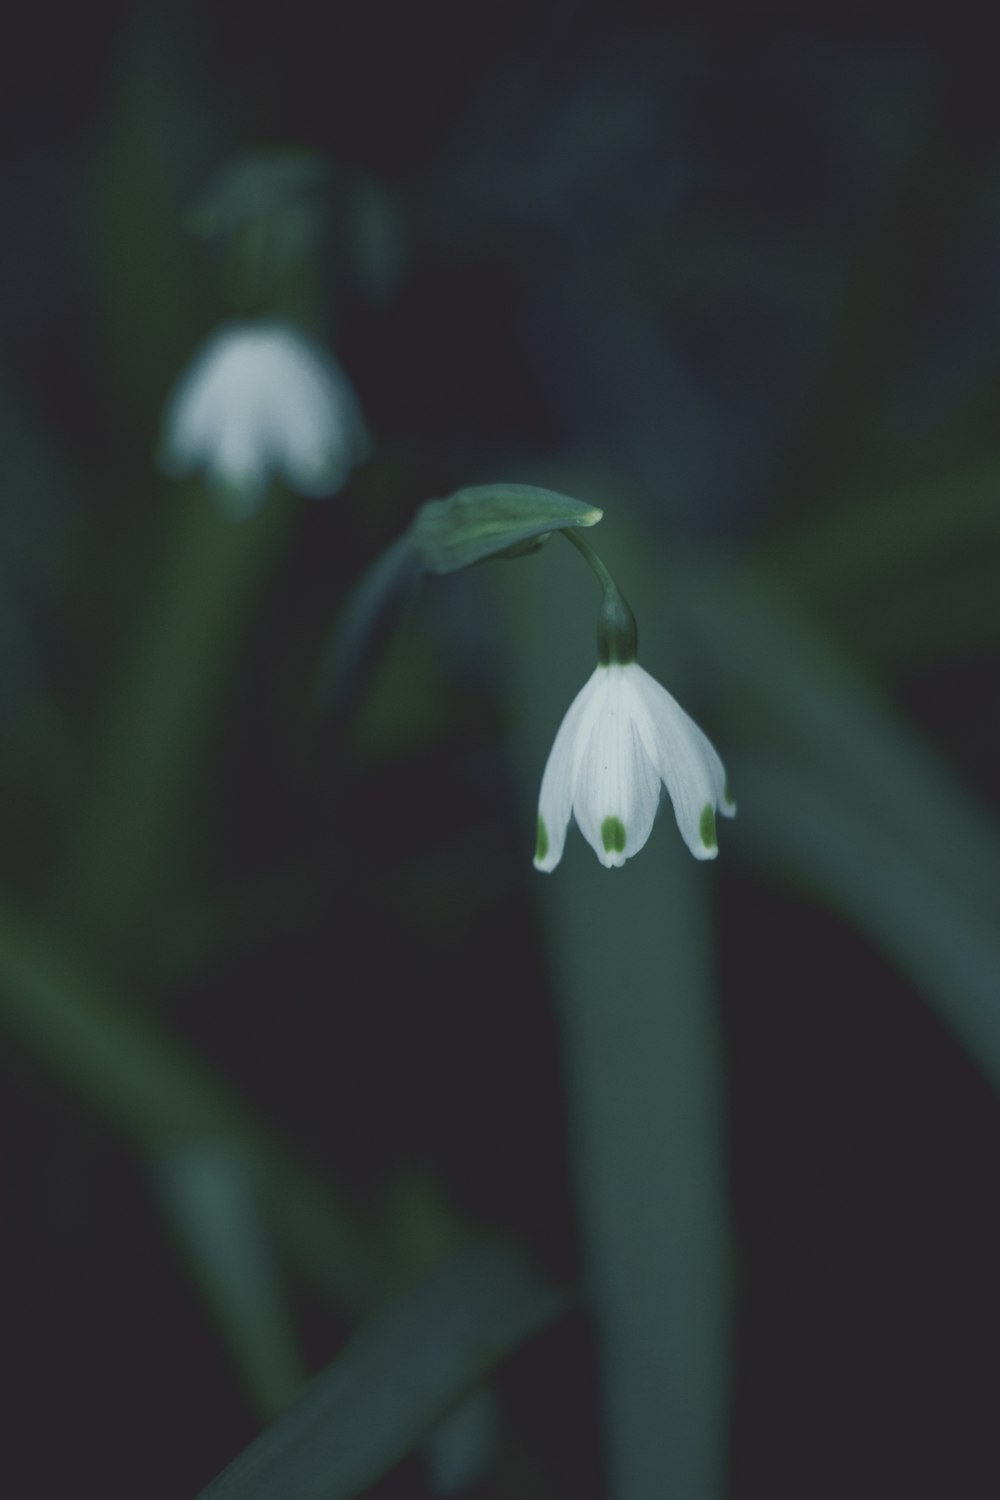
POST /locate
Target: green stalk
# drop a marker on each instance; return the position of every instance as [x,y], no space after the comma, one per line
[224,1181]
[630,951]
[643,1062]
[590,557]
[617,632]
[174,678]
[107,1047]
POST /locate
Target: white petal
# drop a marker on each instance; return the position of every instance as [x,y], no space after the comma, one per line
[318,444]
[686,760]
[617,787]
[190,421]
[555,800]
[317,433]
[261,399]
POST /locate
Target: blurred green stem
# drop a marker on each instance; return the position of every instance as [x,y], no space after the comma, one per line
[223,1179]
[365,625]
[643,1058]
[111,1052]
[209,1190]
[174,678]
[865,546]
[810,829]
[396,1380]
[631,953]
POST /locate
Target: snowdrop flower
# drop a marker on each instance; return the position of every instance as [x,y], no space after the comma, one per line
[623,738]
[258,401]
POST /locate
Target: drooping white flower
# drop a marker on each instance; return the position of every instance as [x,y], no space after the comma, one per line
[259,401]
[623,737]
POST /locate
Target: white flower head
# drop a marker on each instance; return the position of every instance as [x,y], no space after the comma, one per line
[259,401]
[623,737]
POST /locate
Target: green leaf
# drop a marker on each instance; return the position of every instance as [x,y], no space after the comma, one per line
[490,520]
[789,694]
[811,828]
[394,1382]
[461,1448]
[165,1098]
[366,623]
[863,548]
[211,1192]
[644,1074]
[844,795]
[909,574]
[151,747]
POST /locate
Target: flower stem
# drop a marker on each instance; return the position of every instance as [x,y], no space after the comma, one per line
[644,1080]
[617,631]
[172,681]
[593,561]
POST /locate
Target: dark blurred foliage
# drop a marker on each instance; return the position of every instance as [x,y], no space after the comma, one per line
[745,257]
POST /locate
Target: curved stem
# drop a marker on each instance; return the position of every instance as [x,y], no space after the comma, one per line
[617,632]
[593,561]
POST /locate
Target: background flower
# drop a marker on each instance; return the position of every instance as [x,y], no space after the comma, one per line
[261,401]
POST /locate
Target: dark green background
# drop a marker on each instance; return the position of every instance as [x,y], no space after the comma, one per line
[734,273]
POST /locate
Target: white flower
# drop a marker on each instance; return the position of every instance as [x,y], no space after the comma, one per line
[622,736]
[261,400]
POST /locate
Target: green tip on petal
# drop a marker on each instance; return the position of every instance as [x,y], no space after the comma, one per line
[727,796]
[542,844]
[613,836]
[707,826]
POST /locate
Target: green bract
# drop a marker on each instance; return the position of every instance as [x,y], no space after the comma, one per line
[491,520]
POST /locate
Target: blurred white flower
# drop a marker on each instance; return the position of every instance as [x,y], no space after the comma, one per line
[622,737]
[261,401]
